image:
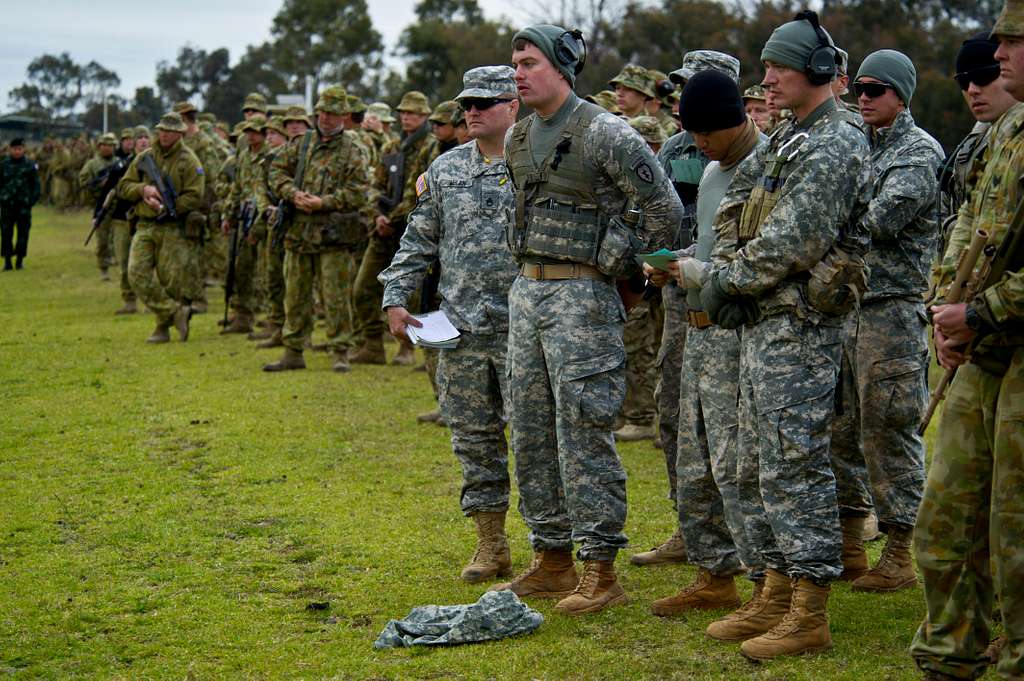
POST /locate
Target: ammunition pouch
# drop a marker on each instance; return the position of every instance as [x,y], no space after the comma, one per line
[837,283]
[337,230]
[756,211]
[558,230]
[194,226]
[616,255]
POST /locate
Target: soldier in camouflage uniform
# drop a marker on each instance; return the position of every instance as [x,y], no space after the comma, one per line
[876,452]
[122,228]
[566,354]
[606,100]
[329,199]
[160,253]
[967,541]
[19,191]
[464,209]
[395,188]
[684,164]
[666,95]
[757,108]
[89,177]
[61,172]
[633,88]
[710,510]
[803,191]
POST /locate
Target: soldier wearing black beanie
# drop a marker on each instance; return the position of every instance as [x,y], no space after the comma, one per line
[711,101]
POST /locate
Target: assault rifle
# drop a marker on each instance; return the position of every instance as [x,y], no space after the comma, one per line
[100,213]
[168,196]
[246,216]
[285,210]
[113,171]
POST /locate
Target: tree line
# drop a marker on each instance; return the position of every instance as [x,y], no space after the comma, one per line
[335,41]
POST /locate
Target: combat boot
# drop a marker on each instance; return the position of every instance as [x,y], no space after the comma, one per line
[181,318]
[129,307]
[269,329]
[598,589]
[292,359]
[275,341]
[432,416]
[764,610]
[672,551]
[706,592]
[804,629]
[339,361]
[406,356]
[492,557]
[160,334]
[855,560]
[369,353]
[242,323]
[632,432]
[895,569]
[551,574]
[19,263]
[7,264]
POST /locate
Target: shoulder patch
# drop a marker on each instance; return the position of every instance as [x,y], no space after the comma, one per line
[199,170]
[643,170]
[421,184]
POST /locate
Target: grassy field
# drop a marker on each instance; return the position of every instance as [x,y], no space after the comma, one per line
[173,512]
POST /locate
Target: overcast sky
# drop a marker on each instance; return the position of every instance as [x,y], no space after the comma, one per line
[130,37]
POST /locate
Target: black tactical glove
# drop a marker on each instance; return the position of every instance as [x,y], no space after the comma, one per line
[725,310]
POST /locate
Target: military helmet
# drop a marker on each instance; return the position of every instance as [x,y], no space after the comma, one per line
[171,122]
[636,78]
[416,102]
[333,100]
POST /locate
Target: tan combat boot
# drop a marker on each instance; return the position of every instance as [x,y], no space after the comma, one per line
[706,592]
[855,560]
[551,574]
[242,323]
[672,551]
[268,331]
[492,557]
[406,356]
[160,334]
[370,353]
[292,359]
[275,341]
[339,361]
[804,629]
[598,589]
[129,307]
[632,432]
[763,611]
[895,569]
[181,319]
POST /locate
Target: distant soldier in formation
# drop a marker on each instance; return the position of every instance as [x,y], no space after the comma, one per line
[93,176]
[19,191]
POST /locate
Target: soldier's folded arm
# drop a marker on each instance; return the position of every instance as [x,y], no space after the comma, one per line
[282,171]
[907,188]
[351,191]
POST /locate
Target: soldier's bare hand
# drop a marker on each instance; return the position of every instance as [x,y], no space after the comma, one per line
[152,197]
[314,203]
[384,228]
[659,278]
[398,319]
[948,353]
[951,320]
[225,227]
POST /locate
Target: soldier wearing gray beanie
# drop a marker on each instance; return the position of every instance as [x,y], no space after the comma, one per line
[893,68]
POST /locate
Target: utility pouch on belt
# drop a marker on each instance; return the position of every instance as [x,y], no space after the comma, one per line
[616,255]
[559,230]
[195,226]
[837,282]
[342,229]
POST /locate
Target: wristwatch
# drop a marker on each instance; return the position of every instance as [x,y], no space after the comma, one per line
[974,321]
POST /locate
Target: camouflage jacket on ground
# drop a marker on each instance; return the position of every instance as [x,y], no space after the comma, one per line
[902,215]
[19,184]
[465,205]
[179,165]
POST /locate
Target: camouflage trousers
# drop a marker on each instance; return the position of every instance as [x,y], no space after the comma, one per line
[367,292]
[670,390]
[103,240]
[710,513]
[971,522]
[639,337]
[215,250]
[877,455]
[243,297]
[430,361]
[122,249]
[333,269]
[566,363]
[159,265]
[788,372]
[472,388]
[275,282]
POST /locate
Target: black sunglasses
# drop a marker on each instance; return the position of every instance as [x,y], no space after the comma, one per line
[980,76]
[481,103]
[871,90]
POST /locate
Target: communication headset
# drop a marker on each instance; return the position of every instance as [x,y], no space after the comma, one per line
[571,50]
[663,88]
[821,65]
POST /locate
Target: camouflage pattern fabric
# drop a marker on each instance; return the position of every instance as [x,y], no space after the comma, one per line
[670,390]
[790,357]
[885,359]
[122,249]
[333,270]
[273,255]
[641,343]
[960,173]
[497,615]
[19,191]
[103,237]
[696,61]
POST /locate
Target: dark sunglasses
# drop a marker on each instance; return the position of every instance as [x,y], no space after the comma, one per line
[871,90]
[481,103]
[980,77]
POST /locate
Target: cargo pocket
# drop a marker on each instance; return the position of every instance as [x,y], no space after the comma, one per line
[591,390]
[898,389]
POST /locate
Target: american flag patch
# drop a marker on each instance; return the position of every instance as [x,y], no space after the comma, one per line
[421,184]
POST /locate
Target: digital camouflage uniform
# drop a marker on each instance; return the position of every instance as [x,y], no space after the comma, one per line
[161,258]
[321,244]
[970,525]
[566,354]
[19,191]
[789,359]
[876,452]
[102,238]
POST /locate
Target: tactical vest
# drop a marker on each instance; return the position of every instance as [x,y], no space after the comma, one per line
[557,216]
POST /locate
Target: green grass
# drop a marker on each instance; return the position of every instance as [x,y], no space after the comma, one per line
[171,511]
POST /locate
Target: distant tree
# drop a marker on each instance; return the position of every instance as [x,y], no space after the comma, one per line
[195,74]
[56,85]
[146,106]
[254,72]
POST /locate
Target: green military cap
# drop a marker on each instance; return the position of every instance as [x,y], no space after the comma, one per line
[207,117]
[254,124]
[459,118]
[333,100]
[636,78]
[1011,20]
[107,138]
[237,130]
[487,82]
[296,113]
[171,122]
[382,111]
[649,128]
[754,92]
[254,101]
[275,123]
[222,125]
[183,108]
[355,105]
[128,133]
[696,61]
[141,131]
[415,101]
[606,100]
[443,112]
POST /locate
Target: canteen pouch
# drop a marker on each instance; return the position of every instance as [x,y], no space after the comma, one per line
[194,226]
[837,283]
